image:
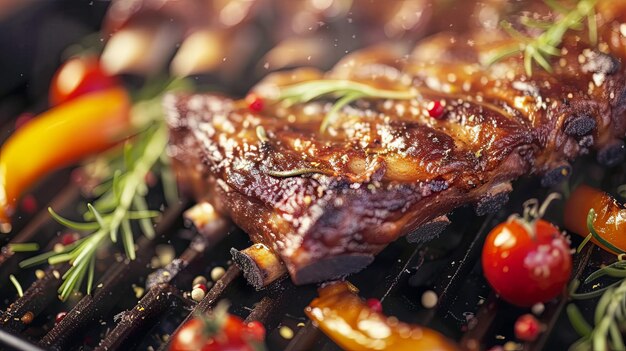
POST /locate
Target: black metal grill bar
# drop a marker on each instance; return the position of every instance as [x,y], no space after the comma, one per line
[214,294]
[105,293]
[466,256]
[153,303]
[305,338]
[399,271]
[197,248]
[271,307]
[36,298]
[158,296]
[309,334]
[17,343]
[486,315]
[262,310]
[32,231]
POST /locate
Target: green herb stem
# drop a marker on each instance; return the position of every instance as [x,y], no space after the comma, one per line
[153,150]
[23,247]
[578,321]
[609,315]
[17,285]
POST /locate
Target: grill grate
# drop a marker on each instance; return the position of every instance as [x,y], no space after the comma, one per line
[113,318]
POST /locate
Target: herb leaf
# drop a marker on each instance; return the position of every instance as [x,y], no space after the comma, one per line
[609,315]
[17,285]
[126,205]
[536,49]
[23,247]
[345,91]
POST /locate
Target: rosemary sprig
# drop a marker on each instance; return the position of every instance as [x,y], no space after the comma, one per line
[609,315]
[111,214]
[345,91]
[540,47]
[121,192]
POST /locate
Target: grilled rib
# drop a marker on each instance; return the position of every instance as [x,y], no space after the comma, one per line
[326,203]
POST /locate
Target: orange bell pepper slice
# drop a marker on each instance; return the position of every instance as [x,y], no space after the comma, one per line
[59,137]
[610,220]
[345,318]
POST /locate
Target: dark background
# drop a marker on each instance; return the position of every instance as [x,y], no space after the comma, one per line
[33,38]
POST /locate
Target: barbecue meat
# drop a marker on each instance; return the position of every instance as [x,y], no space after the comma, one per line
[385,168]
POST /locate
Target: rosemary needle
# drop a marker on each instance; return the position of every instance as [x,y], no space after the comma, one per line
[294,172]
[345,91]
[23,247]
[127,204]
[17,285]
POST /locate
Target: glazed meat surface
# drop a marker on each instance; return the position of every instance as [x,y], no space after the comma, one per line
[327,202]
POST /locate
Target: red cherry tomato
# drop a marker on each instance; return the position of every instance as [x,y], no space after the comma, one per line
[79,76]
[523,267]
[189,337]
[256,330]
[226,333]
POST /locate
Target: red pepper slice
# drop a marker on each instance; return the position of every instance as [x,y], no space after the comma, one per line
[58,137]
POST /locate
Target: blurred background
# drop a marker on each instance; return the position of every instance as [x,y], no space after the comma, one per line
[33,36]
[223,44]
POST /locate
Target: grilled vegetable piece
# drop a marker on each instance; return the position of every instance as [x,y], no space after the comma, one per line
[78,76]
[58,137]
[327,201]
[348,320]
[527,263]
[219,331]
[608,221]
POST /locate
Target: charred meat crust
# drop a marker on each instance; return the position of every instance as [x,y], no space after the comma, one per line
[332,267]
[556,175]
[612,154]
[428,231]
[385,168]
